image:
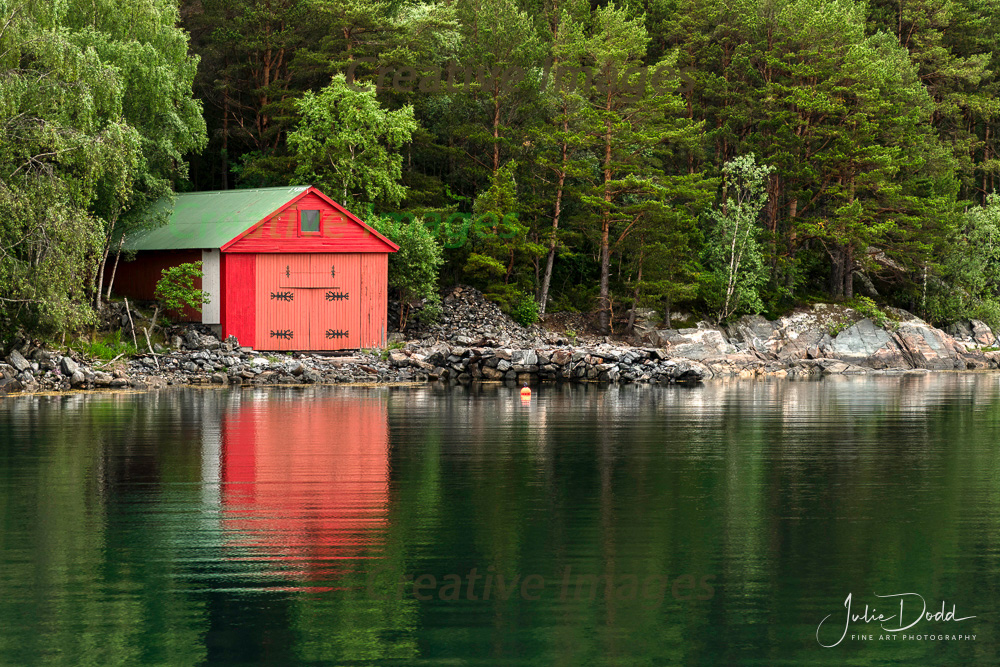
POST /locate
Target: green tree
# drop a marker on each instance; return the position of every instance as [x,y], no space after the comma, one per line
[734,250]
[969,285]
[348,144]
[413,269]
[175,289]
[561,156]
[95,114]
[630,112]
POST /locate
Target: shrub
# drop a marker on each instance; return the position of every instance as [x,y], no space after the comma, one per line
[868,308]
[413,269]
[525,311]
[176,289]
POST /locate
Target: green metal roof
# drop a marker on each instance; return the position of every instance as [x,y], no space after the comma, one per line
[211,219]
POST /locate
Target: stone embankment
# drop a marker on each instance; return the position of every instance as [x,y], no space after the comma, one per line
[476,342]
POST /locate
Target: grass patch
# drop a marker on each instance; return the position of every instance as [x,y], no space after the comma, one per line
[106,346]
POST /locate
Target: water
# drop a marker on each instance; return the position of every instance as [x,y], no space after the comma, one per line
[717,524]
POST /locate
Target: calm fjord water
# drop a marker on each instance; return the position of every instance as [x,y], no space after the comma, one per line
[717,524]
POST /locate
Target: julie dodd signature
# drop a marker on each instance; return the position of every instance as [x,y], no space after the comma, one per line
[912,610]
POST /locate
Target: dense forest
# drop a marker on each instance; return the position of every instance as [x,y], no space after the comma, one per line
[719,157]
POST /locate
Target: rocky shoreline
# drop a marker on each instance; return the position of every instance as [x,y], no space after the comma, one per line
[476,342]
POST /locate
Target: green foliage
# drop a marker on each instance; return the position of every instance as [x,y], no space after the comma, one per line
[347,143]
[482,269]
[865,307]
[521,306]
[413,269]
[175,290]
[559,125]
[384,353]
[107,347]
[525,311]
[96,114]
[969,285]
[733,251]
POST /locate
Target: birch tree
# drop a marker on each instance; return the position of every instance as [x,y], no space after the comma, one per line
[734,249]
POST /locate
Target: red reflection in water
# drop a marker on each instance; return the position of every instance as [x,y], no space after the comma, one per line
[305,482]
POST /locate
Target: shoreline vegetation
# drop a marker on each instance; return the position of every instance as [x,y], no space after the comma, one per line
[607,158]
[474,342]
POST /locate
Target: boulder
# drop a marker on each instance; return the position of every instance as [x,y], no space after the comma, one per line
[927,347]
[17,360]
[561,357]
[195,340]
[69,366]
[398,359]
[9,385]
[698,344]
[982,334]
[864,343]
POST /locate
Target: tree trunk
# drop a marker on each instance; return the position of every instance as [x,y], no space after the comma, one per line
[604,304]
[635,294]
[836,274]
[114,268]
[547,277]
[848,272]
[99,278]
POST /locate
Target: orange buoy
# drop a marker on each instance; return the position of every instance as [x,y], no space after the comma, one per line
[525,392]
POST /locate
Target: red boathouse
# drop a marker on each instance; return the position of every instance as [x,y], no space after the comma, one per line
[285,268]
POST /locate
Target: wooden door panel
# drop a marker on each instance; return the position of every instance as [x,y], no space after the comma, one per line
[282,311]
[335,320]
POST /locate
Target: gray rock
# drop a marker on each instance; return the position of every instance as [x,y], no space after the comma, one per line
[982,334]
[863,343]
[524,357]
[561,357]
[492,373]
[398,359]
[961,329]
[69,366]
[17,360]
[927,347]
[9,385]
[699,343]
[77,379]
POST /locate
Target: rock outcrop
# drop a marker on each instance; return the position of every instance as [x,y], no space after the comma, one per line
[818,334]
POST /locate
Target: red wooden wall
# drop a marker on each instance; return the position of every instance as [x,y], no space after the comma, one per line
[239,312]
[137,279]
[319,301]
[280,233]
